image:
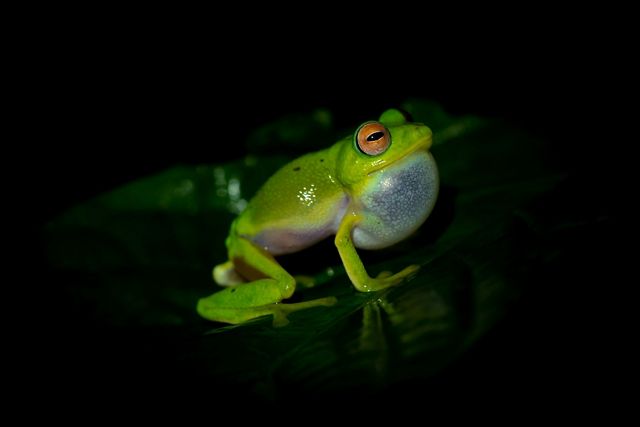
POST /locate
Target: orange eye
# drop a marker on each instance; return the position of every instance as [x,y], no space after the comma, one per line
[373,138]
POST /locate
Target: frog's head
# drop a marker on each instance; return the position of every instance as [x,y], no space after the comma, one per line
[376,145]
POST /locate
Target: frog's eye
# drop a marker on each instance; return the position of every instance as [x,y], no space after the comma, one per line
[372,138]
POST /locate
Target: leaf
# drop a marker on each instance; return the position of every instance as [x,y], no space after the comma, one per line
[133,262]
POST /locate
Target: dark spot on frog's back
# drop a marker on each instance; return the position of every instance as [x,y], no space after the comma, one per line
[296,169]
[321,160]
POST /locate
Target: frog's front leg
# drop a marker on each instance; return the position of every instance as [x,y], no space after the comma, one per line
[261,297]
[353,265]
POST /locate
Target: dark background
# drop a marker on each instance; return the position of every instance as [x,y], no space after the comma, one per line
[109,115]
[112,117]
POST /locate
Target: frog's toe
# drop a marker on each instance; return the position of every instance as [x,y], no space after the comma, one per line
[305,281]
[397,278]
[384,275]
[410,271]
[225,275]
[280,311]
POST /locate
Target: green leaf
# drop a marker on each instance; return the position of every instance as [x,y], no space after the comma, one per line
[133,262]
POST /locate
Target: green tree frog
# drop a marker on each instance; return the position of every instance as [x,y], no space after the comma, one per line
[371,190]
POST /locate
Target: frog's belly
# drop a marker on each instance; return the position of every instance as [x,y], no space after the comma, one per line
[283,241]
[286,240]
[397,201]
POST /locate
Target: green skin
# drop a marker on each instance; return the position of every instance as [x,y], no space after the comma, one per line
[366,201]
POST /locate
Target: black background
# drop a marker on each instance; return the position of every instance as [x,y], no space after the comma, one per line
[108,116]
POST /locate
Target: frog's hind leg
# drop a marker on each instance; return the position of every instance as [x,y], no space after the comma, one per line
[268,284]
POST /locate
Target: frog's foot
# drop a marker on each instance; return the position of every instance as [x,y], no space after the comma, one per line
[384,275]
[225,274]
[305,281]
[235,315]
[281,311]
[386,279]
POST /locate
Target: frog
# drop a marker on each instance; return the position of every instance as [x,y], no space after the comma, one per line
[369,190]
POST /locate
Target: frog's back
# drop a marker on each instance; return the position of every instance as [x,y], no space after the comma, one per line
[299,205]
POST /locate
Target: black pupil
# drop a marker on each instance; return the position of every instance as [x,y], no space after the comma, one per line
[375,136]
